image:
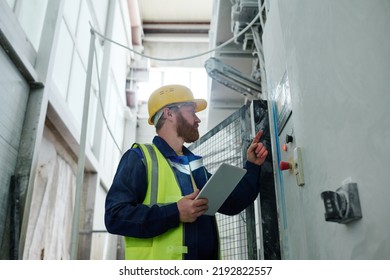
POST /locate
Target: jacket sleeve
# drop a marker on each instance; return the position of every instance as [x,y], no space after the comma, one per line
[124,212]
[244,193]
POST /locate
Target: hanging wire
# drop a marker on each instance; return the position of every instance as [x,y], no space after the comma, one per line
[154,58]
[186,57]
[102,108]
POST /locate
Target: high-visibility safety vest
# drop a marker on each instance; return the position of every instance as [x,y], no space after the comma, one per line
[169,245]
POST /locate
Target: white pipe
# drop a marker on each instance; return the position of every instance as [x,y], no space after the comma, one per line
[81,154]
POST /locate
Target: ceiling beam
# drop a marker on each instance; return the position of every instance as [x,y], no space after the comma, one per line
[176,28]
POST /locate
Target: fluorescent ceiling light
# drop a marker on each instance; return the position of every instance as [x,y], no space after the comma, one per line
[232,78]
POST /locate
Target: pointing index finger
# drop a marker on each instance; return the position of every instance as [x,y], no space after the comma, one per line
[258,136]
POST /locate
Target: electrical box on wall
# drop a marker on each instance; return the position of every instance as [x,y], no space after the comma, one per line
[343,205]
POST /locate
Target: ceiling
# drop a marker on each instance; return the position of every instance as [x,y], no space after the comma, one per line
[176,10]
[163,20]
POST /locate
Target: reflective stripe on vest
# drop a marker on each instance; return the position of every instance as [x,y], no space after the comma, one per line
[169,245]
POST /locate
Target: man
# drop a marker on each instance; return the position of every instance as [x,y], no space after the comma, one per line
[152,198]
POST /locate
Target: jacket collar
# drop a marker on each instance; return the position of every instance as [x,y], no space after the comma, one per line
[168,152]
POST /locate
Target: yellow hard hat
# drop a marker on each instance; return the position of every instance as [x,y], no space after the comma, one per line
[172,94]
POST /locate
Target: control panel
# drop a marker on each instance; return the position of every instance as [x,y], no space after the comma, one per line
[290,157]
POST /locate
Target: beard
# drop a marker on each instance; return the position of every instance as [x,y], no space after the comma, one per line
[188,132]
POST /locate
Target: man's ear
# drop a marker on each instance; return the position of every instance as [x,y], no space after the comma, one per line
[167,113]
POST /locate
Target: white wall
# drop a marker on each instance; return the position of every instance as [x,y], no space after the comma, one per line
[107,108]
[337,56]
[31,15]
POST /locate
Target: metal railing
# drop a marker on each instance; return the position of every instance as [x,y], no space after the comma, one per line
[254,233]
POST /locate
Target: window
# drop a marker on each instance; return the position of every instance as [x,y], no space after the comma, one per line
[194,78]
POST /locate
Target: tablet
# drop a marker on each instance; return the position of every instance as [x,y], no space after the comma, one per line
[220,185]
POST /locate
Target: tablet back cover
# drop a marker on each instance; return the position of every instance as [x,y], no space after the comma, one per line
[220,185]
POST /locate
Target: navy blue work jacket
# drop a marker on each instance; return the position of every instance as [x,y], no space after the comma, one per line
[126,215]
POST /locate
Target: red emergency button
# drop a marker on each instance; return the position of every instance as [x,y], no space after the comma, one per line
[284,165]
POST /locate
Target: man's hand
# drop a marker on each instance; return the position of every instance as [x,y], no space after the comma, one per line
[190,209]
[256,152]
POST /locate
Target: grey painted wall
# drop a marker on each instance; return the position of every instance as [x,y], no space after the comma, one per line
[337,57]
